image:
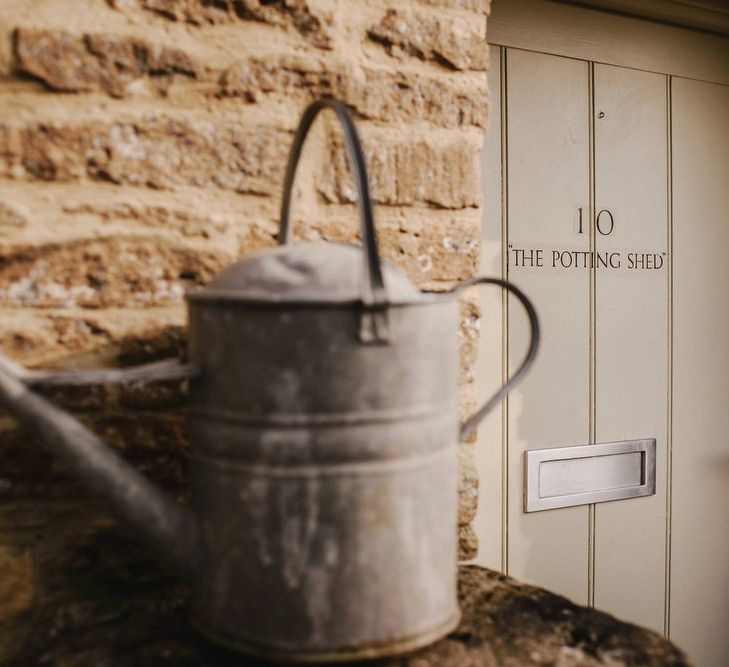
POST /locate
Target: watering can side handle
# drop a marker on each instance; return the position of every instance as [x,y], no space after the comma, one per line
[374,324]
[470,425]
[156,371]
[162,523]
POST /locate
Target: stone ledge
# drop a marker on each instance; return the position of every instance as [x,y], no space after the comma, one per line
[101,600]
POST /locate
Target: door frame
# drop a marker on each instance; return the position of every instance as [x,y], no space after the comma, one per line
[684,13]
[594,34]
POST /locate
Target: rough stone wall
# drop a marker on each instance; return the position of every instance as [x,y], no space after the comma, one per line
[142,149]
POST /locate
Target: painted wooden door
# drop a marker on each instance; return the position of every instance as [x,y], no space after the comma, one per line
[635,351]
[631,332]
[699,564]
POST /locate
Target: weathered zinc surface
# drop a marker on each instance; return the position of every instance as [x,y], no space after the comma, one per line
[142,149]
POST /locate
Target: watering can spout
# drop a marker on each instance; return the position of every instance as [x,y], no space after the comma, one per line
[163,524]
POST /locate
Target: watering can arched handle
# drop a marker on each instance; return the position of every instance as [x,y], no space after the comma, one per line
[374,325]
[469,426]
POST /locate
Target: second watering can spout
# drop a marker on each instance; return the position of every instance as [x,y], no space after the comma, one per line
[324,441]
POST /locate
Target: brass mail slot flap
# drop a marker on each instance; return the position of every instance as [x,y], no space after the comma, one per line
[568,476]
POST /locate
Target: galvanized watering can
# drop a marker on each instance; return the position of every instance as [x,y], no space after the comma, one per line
[324,431]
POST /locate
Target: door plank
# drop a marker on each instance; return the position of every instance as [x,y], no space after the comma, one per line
[700,495]
[632,332]
[490,522]
[570,30]
[547,171]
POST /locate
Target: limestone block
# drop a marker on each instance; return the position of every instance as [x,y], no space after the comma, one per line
[156,151]
[375,94]
[428,246]
[468,491]
[103,273]
[455,44]
[470,320]
[11,219]
[480,6]
[175,219]
[83,338]
[309,20]
[405,170]
[98,61]
[467,542]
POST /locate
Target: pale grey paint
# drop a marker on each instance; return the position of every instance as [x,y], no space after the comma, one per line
[700,507]
[662,560]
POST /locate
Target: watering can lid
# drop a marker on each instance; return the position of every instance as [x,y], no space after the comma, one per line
[314,272]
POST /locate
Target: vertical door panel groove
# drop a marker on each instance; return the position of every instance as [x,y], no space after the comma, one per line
[669,356]
[547,171]
[593,332]
[631,351]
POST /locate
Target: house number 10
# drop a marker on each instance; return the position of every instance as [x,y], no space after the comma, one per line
[604,222]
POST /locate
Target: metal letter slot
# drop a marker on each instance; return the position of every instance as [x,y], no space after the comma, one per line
[568,476]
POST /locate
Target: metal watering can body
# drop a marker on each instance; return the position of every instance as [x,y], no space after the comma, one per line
[324,474]
[324,426]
